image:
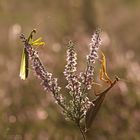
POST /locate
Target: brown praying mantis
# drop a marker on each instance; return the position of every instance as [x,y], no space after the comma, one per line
[97,102]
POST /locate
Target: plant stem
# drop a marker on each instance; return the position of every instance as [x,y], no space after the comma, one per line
[81,131]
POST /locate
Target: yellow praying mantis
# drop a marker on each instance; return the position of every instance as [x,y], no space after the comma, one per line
[24,66]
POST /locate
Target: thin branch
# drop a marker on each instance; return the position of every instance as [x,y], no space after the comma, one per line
[81,131]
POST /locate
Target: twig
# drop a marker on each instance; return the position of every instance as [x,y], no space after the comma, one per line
[81,131]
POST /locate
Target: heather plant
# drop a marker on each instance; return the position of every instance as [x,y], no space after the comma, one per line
[76,105]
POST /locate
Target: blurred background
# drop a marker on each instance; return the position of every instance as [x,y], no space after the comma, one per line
[29,113]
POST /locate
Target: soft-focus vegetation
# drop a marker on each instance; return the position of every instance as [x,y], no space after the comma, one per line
[26,111]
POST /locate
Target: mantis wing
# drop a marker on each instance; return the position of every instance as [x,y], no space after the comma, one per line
[24,65]
[93,110]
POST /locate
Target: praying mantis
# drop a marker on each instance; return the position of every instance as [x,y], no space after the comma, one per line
[103,71]
[24,66]
[97,102]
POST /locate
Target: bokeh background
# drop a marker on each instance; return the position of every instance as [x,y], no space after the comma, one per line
[29,113]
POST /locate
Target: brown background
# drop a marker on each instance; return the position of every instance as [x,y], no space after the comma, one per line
[26,111]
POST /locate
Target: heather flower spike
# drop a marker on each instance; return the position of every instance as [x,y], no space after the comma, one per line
[78,108]
[87,77]
[70,67]
[47,81]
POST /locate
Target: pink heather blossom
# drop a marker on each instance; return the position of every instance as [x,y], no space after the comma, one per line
[87,77]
